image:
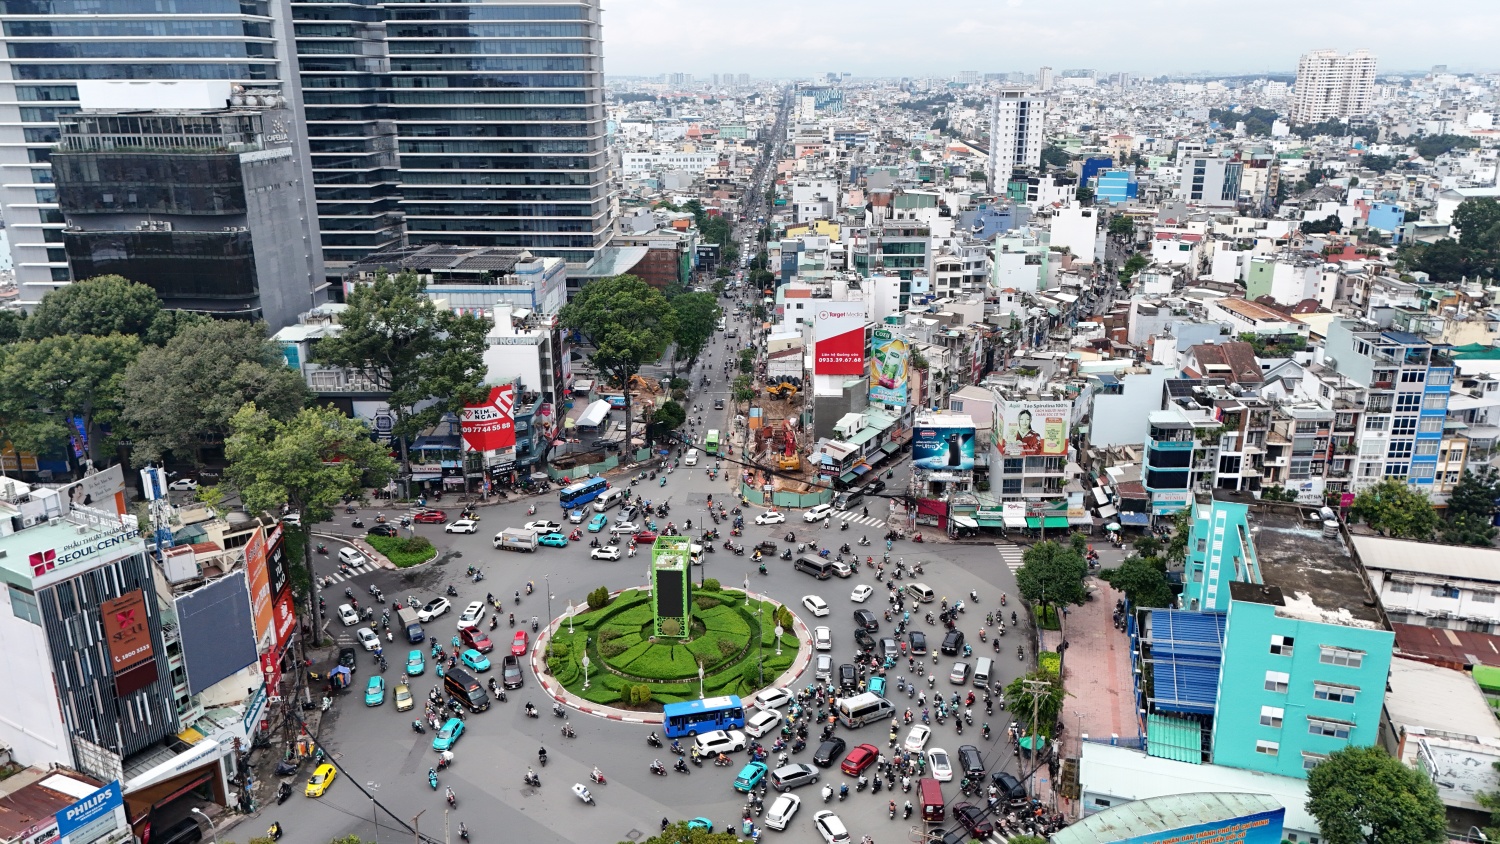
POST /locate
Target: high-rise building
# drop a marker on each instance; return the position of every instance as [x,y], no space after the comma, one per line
[1211,181]
[1044,78]
[1333,85]
[744,79]
[1015,132]
[495,110]
[52,44]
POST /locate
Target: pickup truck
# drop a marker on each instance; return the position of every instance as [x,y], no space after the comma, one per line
[411,624]
[515,539]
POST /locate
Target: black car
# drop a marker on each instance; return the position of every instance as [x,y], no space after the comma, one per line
[718,404]
[873,487]
[828,752]
[766,547]
[970,760]
[863,639]
[510,672]
[918,641]
[347,658]
[888,648]
[1010,787]
[973,819]
[847,676]
[953,642]
[384,530]
[865,620]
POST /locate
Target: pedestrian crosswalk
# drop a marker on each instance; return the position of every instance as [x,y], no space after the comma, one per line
[854,518]
[363,568]
[1013,555]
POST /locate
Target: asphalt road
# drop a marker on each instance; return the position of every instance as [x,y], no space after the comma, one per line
[375,746]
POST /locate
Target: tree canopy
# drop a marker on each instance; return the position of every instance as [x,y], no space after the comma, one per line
[1052,575]
[697,316]
[1143,579]
[429,361]
[103,305]
[180,397]
[53,386]
[1471,508]
[678,833]
[1392,508]
[1361,795]
[627,322]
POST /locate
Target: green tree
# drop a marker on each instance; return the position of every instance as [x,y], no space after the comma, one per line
[1378,163]
[1182,528]
[1444,260]
[12,326]
[1478,223]
[1056,156]
[1052,575]
[1049,703]
[106,304]
[310,463]
[46,384]
[429,362]
[697,317]
[742,388]
[626,321]
[666,419]
[678,833]
[1084,195]
[1122,225]
[1392,508]
[1471,508]
[1142,579]
[214,368]
[1433,146]
[1133,265]
[1361,795]
[1329,224]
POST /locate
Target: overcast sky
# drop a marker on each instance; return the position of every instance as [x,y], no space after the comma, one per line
[771,38]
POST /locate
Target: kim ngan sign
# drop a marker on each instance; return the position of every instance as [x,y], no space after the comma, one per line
[490,425]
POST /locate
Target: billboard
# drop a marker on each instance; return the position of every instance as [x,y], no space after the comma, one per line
[103,490]
[489,425]
[218,631]
[1259,828]
[839,339]
[888,374]
[276,561]
[1034,428]
[97,817]
[260,583]
[939,449]
[127,634]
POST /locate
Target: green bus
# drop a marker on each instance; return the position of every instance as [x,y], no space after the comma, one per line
[711,442]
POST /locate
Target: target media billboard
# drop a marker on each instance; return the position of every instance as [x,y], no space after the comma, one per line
[839,339]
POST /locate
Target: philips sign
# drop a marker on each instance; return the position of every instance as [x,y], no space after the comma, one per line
[98,817]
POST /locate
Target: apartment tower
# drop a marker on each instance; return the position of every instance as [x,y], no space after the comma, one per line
[1333,85]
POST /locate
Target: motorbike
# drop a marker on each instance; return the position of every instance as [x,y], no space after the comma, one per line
[917,537]
[432,779]
[463,831]
[763,568]
[597,776]
[541,756]
[864,541]
[567,732]
[532,779]
[558,710]
[681,767]
[321,549]
[530,711]
[283,791]
[827,793]
[658,769]
[359,523]
[651,739]
[583,793]
[451,591]
[274,833]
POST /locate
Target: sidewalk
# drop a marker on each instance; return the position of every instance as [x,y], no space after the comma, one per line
[1101,698]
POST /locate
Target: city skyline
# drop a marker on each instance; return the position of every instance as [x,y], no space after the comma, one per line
[649,37]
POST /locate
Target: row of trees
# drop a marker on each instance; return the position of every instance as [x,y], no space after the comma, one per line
[1476,251]
[1394,508]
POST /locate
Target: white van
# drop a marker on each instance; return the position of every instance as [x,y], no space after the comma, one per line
[692,458]
[983,667]
[864,708]
[609,498]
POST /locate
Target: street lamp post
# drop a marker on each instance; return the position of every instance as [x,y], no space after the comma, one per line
[779,631]
[547,581]
[760,641]
[212,829]
[585,663]
[700,679]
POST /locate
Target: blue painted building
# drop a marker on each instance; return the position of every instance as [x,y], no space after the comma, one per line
[1091,167]
[1387,217]
[1115,185]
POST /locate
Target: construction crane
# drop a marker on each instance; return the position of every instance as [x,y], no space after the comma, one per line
[788,461]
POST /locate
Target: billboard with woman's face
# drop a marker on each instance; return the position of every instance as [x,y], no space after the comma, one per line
[1034,428]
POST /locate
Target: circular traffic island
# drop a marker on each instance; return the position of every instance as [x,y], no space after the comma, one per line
[645,648]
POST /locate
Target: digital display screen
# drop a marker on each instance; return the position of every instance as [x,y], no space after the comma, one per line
[669,596]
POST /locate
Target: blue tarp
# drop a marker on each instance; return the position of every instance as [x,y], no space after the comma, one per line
[1142,519]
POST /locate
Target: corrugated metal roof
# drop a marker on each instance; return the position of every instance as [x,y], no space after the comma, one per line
[1185,650]
[1166,814]
[1178,739]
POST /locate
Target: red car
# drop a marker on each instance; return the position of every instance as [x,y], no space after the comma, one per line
[519,646]
[473,638]
[860,758]
[972,818]
[645,537]
[430,517]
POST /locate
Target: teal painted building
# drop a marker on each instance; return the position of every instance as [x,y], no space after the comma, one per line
[1219,552]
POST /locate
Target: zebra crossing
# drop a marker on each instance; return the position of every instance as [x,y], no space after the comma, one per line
[1012,555]
[362,568]
[854,518]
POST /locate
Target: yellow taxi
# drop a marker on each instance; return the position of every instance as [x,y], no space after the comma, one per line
[321,779]
[403,698]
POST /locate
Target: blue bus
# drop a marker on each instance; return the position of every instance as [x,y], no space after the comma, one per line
[692,717]
[581,493]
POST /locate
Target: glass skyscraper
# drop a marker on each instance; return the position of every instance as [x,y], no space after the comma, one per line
[476,123]
[52,44]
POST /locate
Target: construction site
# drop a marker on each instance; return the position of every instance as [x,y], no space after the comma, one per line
[778,439]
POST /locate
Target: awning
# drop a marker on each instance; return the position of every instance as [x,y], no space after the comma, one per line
[594,415]
[991,523]
[1141,519]
[1015,522]
[965,522]
[860,469]
[848,478]
[1100,495]
[891,448]
[1107,510]
[1051,522]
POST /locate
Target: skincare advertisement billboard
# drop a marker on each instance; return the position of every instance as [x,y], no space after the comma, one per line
[1034,428]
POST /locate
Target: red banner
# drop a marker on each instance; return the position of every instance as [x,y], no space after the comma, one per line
[490,426]
[839,340]
[285,620]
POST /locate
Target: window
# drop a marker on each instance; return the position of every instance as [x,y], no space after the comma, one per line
[1375,423]
[1270,748]
[1270,716]
[1430,425]
[1407,402]
[1399,449]
[1444,592]
[23,605]
[1440,377]
[1202,545]
[1307,427]
[1427,448]
[1310,761]
[1333,729]
[1334,693]
[1435,401]
[1330,655]
[1413,376]
[1483,597]
[1404,426]
[1400,587]
[1276,681]
[1281,645]
[1423,471]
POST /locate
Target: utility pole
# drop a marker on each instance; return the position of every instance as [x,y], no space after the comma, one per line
[416,827]
[1036,690]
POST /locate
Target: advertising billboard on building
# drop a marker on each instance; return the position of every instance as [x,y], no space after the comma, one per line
[103,490]
[839,339]
[888,370]
[1259,828]
[260,583]
[276,561]
[490,424]
[127,634]
[1034,428]
[96,819]
[218,631]
[937,448]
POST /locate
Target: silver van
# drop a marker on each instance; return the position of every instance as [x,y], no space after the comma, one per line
[919,592]
[862,709]
[982,669]
[824,669]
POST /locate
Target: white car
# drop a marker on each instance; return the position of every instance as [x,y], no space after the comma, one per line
[831,828]
[183,485]
[293,519]
[822,639]
[351,556]
[576,517]
[348,615]
[938,766]
[771,517]
[916,740]
[818,513]
[433,609]
[623,527]
[367,638]
[472,615]
[861,594]
[772,698]
[462,526]
[817,606]
[762,722]
[780,813]
[713,743]
[542,526]
[605,552]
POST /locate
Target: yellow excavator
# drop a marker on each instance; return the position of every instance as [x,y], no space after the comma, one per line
[784,390]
